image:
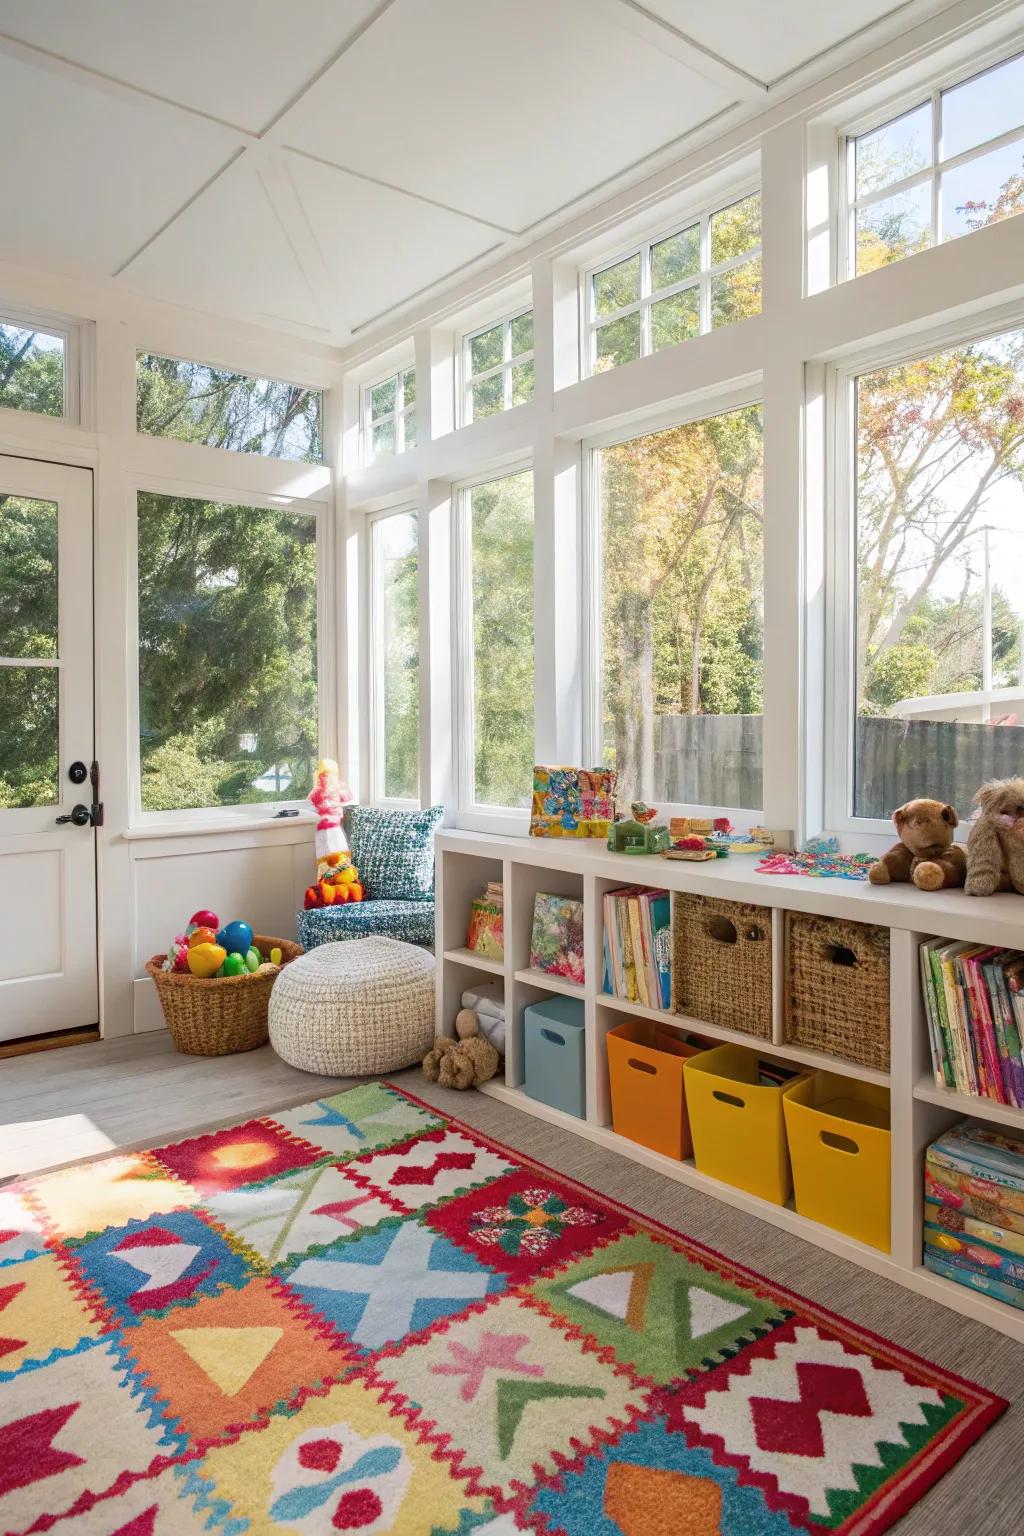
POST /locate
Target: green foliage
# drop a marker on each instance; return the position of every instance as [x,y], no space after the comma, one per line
[503,664]
[31,371]
[227,651]
[196,403]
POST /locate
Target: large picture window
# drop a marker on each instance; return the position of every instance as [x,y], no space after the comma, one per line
[685,283]
[952,163]
[197,403]
[679,571]
[227,653]
[394,658]
[937,620]
[496,555]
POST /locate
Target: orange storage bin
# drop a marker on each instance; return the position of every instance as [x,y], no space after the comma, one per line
[645,1066]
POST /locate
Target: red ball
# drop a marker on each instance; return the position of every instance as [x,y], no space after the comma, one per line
[204,918]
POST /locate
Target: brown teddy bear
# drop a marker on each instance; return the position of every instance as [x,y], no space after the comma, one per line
[925,853]
[461,1063]
[995,848]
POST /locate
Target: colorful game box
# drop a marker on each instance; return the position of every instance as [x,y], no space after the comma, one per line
[572,802]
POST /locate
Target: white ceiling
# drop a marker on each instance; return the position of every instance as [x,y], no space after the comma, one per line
[316,164]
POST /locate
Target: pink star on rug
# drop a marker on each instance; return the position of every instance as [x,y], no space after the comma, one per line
[497,1351]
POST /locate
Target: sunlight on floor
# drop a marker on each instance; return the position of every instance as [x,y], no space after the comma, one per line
[29,1145]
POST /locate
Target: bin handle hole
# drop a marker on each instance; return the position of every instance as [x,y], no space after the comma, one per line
[839,1143]
[641,1066]
[840,954]
[727,1098]
[549,1034]
[722,929]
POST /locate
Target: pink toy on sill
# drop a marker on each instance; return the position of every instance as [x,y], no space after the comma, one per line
[328,797]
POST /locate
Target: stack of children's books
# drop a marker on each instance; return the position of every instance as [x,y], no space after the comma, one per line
[974,1000]
[974,1210]
[486,933]
[638,946]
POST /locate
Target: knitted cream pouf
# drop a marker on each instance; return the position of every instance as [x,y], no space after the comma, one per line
[353,1009]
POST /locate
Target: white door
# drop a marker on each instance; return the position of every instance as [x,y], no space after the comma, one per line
[47,859]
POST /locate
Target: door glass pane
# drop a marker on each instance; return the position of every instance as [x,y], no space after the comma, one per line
[983,108]
[682,620]
[29,736]
[31,370]
[28,577]
[227,653]
[395,565]
[501,522]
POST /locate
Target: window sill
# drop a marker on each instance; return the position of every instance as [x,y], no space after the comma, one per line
[141,833]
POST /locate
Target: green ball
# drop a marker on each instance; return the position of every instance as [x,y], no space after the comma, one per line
[252,959]
[233,965]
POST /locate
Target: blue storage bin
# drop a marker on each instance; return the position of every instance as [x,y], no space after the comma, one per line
[553,1037]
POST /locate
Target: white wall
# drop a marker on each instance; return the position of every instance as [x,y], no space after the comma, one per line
[152,876]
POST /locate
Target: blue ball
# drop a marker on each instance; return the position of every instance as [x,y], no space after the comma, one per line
[235,937]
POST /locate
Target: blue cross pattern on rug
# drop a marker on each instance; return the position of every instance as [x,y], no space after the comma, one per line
[148,1265]
[395,1281]
[347,1124]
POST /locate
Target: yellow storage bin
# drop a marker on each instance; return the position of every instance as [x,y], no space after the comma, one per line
[737,1124]
[838,1133]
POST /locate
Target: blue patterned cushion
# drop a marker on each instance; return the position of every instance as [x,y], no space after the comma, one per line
[412,921]
[393,851]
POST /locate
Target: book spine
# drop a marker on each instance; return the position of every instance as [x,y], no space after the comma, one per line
[990,987]
[939,994]
[981,1019]
[955,1013]
[1013,1040]
[637,943]
[934,1036]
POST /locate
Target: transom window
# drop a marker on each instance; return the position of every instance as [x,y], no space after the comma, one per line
[389,415]
[200,403]
[497,365]
[951,164]
[34,374]
[702,276]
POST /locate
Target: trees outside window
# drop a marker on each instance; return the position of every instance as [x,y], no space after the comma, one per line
[395,657]
[497,366]
[939,685]
[29,667]
[497,533]
[197,403]
[31,369]
[389,416]
[227,653]
[681,617]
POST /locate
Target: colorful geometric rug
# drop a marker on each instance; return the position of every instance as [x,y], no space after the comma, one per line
[362,1316]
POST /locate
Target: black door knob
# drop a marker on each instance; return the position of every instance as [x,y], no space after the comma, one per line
[78,773]
[80,816]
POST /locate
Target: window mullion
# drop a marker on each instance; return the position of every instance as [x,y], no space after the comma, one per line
[936,182]
[705,273]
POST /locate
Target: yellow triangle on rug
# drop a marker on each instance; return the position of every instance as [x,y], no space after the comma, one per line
[229,1356]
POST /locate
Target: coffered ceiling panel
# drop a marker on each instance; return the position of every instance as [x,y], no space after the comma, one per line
[238,60]
[229,252]
[89,177]
[380,246]
[506,112]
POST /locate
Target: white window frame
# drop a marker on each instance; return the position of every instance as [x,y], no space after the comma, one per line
[242,373]
[837,759]
[471,814]
[700,408]
[224,816]
[930,174]
[70,333]
[398,415]
[375,673]
[509,360]
[701,280]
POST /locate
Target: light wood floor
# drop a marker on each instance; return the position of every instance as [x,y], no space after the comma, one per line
[65,1105]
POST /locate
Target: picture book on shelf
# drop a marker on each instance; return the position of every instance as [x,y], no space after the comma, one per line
[557,942]
[638,946]
[974,1004]
[485,935]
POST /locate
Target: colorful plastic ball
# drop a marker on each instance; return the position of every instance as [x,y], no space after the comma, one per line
[202,936]
[204,918]
[275,956]
[206,959]
[235,937]
[234,965]
[253,959]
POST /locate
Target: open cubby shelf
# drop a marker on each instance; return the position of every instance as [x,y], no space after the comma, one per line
[919,1110]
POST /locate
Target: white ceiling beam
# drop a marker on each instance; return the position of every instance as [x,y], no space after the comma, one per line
[297,230]
[661,34]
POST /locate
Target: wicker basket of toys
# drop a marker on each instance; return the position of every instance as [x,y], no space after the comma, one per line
[218,1014]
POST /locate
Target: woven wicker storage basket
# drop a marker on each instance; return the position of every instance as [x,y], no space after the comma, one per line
[218,1016]
[722,963]
[837,987]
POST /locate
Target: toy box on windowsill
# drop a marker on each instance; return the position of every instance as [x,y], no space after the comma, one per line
[572,802]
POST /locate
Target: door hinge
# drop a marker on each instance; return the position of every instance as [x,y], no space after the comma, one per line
[96,809]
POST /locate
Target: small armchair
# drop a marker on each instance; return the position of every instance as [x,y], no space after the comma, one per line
[394,853]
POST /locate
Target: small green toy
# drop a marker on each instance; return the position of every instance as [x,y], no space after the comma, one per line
[636,837]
